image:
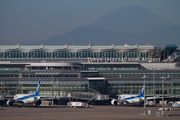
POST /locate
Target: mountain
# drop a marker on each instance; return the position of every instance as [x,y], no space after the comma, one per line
[130,19]
[127,25]
[84,36]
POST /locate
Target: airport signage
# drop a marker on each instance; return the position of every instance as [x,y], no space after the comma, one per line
[123,59]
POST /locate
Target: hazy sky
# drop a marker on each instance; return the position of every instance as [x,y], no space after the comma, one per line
[22,21]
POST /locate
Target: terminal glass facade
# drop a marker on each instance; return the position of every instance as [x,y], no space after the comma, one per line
[83,54]
[110,87]
[78,74]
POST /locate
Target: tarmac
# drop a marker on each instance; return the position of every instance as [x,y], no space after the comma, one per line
[63,112]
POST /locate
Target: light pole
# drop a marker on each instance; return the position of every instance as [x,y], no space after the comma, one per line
[153,81]
[144,95]
[52,103]
[153,84]
[163,79]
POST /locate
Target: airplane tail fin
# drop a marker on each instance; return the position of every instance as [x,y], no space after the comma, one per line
[38,88]
[142,91]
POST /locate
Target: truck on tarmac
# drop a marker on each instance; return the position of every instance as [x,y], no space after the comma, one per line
[77,104]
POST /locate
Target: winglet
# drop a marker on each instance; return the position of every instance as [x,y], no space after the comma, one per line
[38,88]
[142,91]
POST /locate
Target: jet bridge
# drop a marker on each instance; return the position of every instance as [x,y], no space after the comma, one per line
[88,96]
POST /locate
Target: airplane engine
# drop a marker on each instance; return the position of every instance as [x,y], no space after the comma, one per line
[38,103]
[138,100]
[9,102]
[113,102]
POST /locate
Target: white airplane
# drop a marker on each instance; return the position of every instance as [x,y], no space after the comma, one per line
[21,99]
[132,99]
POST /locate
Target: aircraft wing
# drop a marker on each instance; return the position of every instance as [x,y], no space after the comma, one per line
[153,98]
[160,97]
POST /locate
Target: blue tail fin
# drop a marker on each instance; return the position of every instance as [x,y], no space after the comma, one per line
[38,88]
[142,91]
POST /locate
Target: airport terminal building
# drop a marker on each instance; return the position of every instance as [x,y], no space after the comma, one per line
[110,70]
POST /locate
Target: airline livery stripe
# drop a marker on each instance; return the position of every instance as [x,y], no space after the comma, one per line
[26,97]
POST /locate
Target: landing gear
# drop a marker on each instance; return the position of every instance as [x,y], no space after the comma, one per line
[115,102]
[141,104]
[120,103]
[38,103]
[125,103]
[20,104]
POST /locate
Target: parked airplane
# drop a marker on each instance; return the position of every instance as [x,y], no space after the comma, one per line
[125,99]
[20,99]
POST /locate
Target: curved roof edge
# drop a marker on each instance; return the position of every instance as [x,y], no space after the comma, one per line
[74,49]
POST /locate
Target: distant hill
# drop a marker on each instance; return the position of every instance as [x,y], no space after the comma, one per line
[130,19]
[84,36]
[127,25]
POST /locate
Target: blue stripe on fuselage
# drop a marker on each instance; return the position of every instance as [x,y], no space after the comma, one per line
[131,98]
[27,97]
